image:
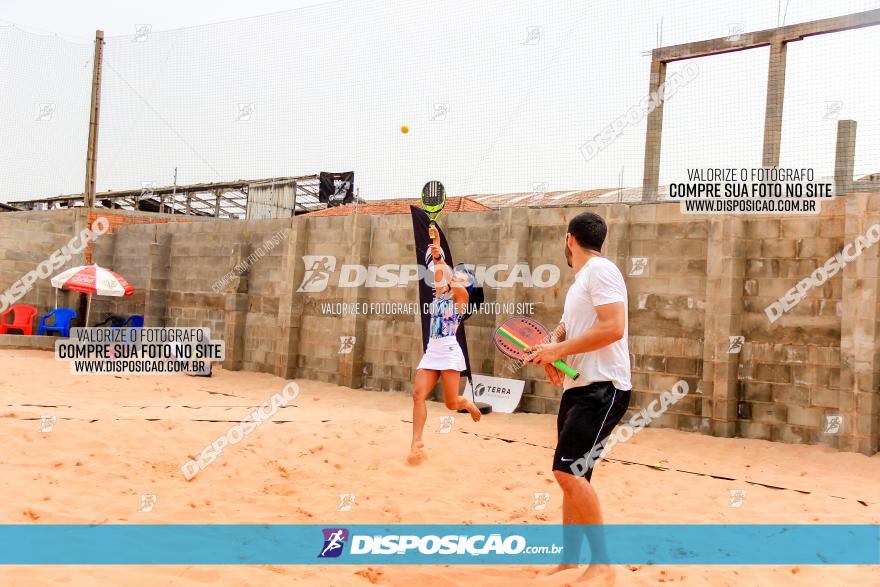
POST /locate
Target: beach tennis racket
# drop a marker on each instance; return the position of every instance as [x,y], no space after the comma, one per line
[433,201]
[517,334]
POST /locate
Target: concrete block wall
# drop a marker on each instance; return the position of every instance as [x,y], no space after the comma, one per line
[317,354]
[264,241]
[199,256]
[29,238]
[790,370]
[125,255]
[664,260]
[475,238]
[117,218]
[172,267]
[388,339]
[706,279]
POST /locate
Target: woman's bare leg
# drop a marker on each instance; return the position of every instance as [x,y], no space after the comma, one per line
[425,381]
[453,400]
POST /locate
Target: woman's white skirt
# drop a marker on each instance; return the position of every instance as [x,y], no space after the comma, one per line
[443,354]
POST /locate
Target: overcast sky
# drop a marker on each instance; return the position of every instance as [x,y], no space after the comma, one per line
[499,95]
[78,20]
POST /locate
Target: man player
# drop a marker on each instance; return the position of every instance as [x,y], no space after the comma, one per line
[592,340]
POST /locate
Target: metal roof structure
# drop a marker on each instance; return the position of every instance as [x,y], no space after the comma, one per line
[226,199]
[542,199]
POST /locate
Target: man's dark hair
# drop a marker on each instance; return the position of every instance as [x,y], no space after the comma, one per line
[589,230]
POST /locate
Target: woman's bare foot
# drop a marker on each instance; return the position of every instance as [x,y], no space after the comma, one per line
[416,454]
[475,412]
[416,457]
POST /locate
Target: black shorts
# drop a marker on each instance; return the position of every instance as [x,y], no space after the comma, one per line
[587,415]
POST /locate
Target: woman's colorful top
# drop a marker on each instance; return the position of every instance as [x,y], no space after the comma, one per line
[445,317]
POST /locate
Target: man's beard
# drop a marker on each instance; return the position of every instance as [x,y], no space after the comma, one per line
[567,254]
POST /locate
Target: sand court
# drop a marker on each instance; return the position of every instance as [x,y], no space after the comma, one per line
[334,204]
[116,439]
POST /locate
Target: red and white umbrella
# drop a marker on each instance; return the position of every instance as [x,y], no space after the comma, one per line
[92,280]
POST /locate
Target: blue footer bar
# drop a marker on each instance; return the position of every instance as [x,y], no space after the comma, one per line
[221,544]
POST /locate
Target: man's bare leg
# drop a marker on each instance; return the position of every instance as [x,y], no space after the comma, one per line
[572,539]
[424,382]
[453,400]
[584,509]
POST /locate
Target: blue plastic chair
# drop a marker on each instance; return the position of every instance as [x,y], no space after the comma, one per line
[113,320]
[61,324]
[135,321]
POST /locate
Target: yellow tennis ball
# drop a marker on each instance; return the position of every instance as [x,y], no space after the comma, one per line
[404,129]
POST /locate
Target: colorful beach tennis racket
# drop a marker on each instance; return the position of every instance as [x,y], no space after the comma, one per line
[433,201]
[519,333]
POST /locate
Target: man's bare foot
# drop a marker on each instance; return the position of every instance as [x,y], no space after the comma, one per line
[475,413]
[558,569]
[603,575]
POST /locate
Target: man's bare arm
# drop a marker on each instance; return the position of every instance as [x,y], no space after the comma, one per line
[558,334]
[554,375]
[609,327]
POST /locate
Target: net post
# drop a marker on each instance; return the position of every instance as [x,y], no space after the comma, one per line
[94,110]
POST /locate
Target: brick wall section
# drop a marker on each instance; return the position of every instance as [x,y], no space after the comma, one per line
[706,279]
[117,218]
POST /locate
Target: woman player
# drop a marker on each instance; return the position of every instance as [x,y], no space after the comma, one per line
[443,358]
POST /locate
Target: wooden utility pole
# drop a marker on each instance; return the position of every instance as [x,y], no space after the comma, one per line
[92,152]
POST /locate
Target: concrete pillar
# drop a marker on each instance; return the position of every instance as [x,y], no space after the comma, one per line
[860,334]
[156,292]
[651,176]
[290,303]
[351,366]
[725,272]
[616,247]
[844,156]
[513,248]
[236,307]
[233,331]
[775,99]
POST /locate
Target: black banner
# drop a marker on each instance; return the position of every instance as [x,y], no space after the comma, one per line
[336,188]
[420,223]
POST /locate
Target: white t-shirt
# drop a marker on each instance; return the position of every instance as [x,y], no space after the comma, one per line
[599,282]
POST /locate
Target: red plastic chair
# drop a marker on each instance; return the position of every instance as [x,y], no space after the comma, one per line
[22,319]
